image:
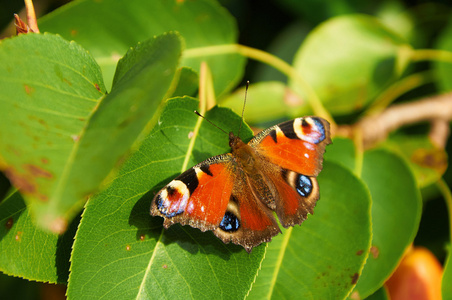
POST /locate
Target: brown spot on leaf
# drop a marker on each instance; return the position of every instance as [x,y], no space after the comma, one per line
[9,223]
[67,81]
[74,32]
[59,225]
[13,150]
[142,237]
[128,247]
[42,197]
[28,89]
[97,87]
[374,251]
[355,296]
[44,160]
[165,266]
[37,171]
[190,135]
[355,278]
[430,158]
[20,181]
[75,137]
[359,252]
[18,236]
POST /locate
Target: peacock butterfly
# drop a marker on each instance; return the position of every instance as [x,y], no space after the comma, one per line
[235,194]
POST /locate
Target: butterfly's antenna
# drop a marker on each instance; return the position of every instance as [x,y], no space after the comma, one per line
[196,112]
[243,109]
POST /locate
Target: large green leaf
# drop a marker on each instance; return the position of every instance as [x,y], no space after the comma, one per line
[266,101]
[322,258]
[342,151]
[427,161]
[122,252]
[348,60]
[58,142]
[396,212]
[49,88]
[26,250]
[108,28]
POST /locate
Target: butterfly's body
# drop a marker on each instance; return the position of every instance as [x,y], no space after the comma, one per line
[235,194]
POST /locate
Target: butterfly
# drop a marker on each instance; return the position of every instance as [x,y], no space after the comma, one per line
[236,194]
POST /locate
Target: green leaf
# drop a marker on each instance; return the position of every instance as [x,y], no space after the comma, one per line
[284,46]
[427,162]
[348,60]
[380,294]
[65,153]
[49,88]
[29,252]
[444,69]
[118,237]
[188,83]
[396,212]
[108,28]
[322,258]
[342,151]
[266,101]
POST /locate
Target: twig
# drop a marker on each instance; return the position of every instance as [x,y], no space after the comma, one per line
[21,26]
[31,16]
[375,128]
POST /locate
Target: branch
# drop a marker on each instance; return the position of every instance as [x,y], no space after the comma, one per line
[375,128]
[32,26]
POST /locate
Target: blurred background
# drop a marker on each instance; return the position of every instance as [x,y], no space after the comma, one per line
[279,27]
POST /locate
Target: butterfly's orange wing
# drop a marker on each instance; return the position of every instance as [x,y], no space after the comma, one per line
[293,155]
[212,196]
[296,145]
[199,196]
[234,194]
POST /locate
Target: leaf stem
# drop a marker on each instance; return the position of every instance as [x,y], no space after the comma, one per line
[31,16]
[432,54]
[270,60]
[359,155]
[399,88]
[204,76]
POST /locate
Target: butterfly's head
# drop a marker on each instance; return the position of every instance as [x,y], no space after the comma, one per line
[234,141]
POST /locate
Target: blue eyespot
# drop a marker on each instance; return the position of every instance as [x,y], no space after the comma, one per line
[304,185]
[320,128]
[230,222]
[164,210]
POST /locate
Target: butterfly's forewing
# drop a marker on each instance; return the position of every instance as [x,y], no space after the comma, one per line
[296,145]
[294,150]
[199,196]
